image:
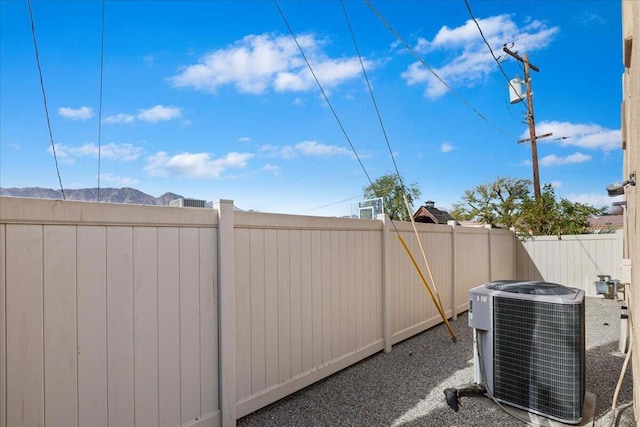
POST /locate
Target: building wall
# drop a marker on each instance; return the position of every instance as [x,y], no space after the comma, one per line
[631,139]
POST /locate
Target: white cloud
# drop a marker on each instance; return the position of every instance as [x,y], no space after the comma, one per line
[119,118]
[194,165]
[158,113]
[556,184]
[472,61]
[258,63]
[62,153]
[275,169]
[553,160]
[82,113]
[125,152]
[586,17]
[446,147]
[594,199]
[121,181]
[244,139]
[120,152]
[304,148]
[589,136]
[155,114]
[313,148]
[285,152]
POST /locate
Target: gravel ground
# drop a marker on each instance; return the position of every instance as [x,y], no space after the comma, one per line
[405,387]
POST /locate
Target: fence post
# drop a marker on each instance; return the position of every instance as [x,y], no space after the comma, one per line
[386,281]
[454,268]
[515,255]
[226,312]
[488,227]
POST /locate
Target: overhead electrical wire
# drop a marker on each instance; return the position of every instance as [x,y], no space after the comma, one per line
[383,189]
[435,298]
[335,203]
[431,70]
[326,98]
[44,97]
[100,98]
[324,95]
[495,58]
[486,42]
[373,98]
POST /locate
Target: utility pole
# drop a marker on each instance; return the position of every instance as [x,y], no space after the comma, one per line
[532,127]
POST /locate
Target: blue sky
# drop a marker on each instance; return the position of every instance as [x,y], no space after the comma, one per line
[213,100]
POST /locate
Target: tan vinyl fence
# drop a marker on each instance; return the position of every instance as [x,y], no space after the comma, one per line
[572,260]
[130,315]
[108,315]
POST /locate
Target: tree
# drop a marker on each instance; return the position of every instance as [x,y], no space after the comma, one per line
[391,188]
[552,216]
[508,202]
[494,203]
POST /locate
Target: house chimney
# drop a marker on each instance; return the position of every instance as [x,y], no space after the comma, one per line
[429,204]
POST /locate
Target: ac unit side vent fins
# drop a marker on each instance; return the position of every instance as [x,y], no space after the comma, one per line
[539,352]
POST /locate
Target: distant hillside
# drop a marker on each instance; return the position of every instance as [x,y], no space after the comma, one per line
[110,195]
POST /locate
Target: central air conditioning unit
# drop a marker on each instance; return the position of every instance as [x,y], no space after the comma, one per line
[530,346]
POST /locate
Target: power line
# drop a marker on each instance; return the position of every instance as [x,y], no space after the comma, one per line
[44,97]
[486,42]
[431,70]
[466,2]
[100,100]
[495,58]
[437,301]
[334,203]
[326,98]
[373,98]
[375,105]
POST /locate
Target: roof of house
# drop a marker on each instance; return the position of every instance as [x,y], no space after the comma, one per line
[606,221]
[428,213]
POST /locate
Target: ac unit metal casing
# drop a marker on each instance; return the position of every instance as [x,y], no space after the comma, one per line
[530,338]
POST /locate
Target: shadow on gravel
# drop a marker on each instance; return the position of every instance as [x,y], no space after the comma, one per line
[405,387]
[604,364]
[379,389]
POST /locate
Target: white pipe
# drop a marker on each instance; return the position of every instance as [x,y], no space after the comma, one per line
[614,403]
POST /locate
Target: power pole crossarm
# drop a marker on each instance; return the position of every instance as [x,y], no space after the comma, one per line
[519,58]
[546,135]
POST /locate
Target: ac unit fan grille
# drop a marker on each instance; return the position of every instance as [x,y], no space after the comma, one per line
[539,356]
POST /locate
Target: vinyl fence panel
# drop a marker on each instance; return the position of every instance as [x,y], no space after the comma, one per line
[109,313]
[308,301]
[503,248]
[572,260]
[131,315]
[472,262]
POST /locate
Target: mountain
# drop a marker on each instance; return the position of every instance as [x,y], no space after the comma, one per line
[109,195]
